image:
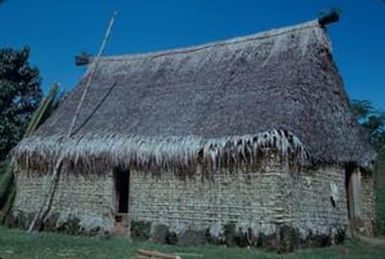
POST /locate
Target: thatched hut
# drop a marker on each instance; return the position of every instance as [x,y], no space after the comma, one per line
[247,140]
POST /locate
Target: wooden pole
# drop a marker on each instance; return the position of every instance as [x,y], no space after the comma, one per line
[156,255]
[92,70]
[50,191]
[330,17]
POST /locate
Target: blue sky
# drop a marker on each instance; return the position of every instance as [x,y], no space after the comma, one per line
[57,30]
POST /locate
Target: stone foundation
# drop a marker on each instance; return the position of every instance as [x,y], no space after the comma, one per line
[285,239]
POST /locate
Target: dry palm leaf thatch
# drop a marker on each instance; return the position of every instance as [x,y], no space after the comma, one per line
[151,109]
[93,154]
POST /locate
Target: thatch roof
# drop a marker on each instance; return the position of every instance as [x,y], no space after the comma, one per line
[231,98]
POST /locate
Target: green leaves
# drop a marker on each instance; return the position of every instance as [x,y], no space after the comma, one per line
[372,122]
[20,95]
[361,108]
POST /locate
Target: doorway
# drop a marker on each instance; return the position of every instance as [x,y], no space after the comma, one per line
[354,196]
[122,186]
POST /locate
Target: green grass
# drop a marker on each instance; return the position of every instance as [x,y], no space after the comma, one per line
[19,244]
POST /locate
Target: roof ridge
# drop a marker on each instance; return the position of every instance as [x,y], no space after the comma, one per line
[251,37]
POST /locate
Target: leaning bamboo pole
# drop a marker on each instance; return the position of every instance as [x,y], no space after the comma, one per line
[10,190]
[41,110]
[50,191]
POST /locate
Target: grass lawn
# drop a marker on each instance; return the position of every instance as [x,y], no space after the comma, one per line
[19,244]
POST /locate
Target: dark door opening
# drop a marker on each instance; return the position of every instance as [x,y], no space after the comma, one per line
[348,187]
[122,185]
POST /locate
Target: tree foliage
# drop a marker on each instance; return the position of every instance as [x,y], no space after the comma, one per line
[372,121]
[20,94]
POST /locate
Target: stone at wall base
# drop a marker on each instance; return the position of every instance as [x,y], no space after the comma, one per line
[70,226]
[140,230]
[158,233]
[192,238]
[285,240]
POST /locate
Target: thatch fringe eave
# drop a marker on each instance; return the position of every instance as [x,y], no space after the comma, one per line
[105,151]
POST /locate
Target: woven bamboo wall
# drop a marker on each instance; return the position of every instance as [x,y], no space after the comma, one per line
[84,198]
[262,199]
[250,198]
[317,200]
[368,203]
